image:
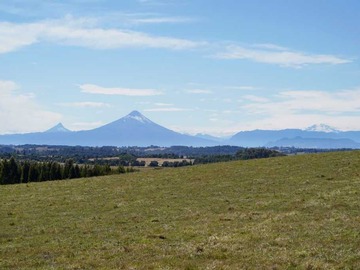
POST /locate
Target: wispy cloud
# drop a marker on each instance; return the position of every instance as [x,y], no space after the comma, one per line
[199,91]
[95,89]
[254,98]
[83,32]
[86,104]
[20,112]
[273,54]
[243,88]
[159,20]
[345,101]
[7,87]
[304,108]
[270,46]
[158,2]
[163,104]
[13,37]
[171,109]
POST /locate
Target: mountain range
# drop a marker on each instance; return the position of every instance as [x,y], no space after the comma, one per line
[312,137]
[135,129]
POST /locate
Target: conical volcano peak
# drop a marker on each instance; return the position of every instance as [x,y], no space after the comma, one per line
[58,128]
[135,115]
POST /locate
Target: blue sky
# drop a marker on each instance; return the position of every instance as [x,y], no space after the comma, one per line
[194,66]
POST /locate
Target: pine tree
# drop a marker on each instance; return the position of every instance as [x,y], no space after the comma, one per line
[25,172]
[1,169]
[14,174]
[33,173]
[77,171]
[68,165]
[5,172]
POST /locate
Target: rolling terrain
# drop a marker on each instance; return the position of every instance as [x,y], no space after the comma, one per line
[295,212]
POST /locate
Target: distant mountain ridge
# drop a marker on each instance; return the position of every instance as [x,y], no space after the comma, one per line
[210,137]
[58,128]
[135,129]
[310,138]
[316,143]
[322,128]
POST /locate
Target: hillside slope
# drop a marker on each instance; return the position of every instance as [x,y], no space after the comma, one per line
[281,213]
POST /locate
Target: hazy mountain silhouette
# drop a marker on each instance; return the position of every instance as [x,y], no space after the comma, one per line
[314,135]
[315,143]
[133,129]
[58,128]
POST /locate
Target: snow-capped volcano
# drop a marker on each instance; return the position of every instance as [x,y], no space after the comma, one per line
[58,128]
[133,129]
[135,115]
[322,128]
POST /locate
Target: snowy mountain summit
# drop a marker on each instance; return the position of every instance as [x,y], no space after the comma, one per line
[135,115]
[58,128]
[322,128]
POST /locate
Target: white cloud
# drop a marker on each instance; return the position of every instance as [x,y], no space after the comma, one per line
[163,104]
[95,89]
[255,98]
[273,54]
[20,113]
[86,104]
[227,100]
[199,91]
[81,32]
[172,109]
[13,37]
[270,47]
[300,109]
[7,87]
[243,87]
[135,19]
[160,20]
[300,121]
[158,2]
[345,101]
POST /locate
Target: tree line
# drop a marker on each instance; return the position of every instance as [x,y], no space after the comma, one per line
[14,172]
[83,154]
[242,154]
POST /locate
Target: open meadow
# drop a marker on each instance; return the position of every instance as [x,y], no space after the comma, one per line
[296,212]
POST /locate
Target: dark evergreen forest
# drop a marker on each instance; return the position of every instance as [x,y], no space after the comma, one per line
[15,172]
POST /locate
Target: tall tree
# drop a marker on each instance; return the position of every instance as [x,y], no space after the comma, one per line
[25,172]
[14,173]
[33,173]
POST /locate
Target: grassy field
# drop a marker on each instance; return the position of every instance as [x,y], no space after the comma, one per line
[299,212]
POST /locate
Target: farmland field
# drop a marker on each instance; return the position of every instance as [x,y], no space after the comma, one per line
[298,212]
